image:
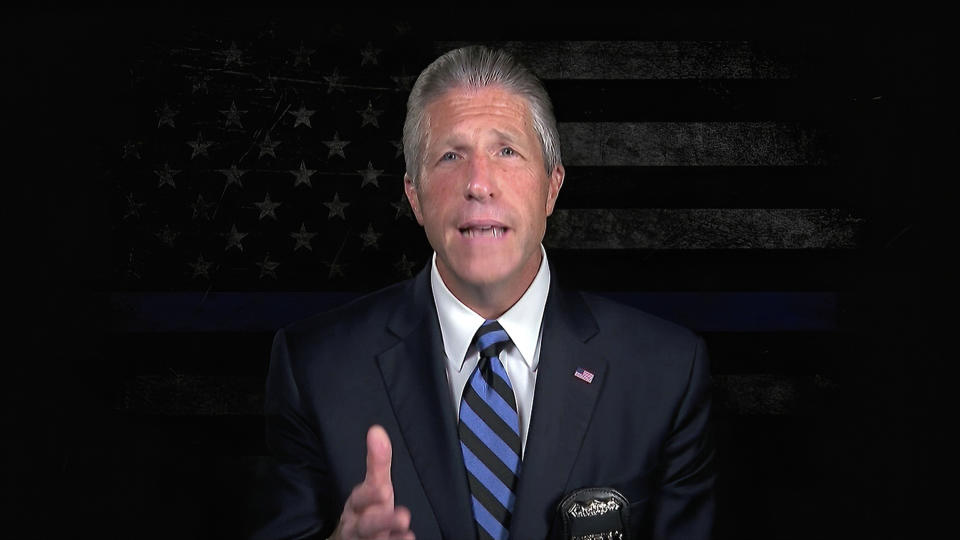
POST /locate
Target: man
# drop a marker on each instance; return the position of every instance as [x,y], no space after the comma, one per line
[467,402]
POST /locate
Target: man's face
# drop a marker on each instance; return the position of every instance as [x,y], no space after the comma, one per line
[483,196]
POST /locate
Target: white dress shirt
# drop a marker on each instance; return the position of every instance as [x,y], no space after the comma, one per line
[522,322]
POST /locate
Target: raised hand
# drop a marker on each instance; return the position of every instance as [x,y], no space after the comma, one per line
[369,512]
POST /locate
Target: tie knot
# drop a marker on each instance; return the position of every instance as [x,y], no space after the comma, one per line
[491,339]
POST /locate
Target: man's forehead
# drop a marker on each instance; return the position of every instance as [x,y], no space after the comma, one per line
[493,102]
[491,95]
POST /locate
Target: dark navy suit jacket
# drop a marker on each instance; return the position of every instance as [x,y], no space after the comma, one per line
[641,426]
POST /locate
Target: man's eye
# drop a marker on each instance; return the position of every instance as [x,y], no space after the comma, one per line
[507,151]
[448,156]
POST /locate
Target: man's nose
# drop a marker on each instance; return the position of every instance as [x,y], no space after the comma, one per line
[481,182]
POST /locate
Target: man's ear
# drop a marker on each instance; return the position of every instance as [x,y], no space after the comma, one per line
[555,182]
[412,197]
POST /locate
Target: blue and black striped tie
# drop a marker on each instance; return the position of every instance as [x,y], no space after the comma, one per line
[490,436]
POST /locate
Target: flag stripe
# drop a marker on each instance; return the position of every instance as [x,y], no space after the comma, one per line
[704,100]
[661,270]
[587,59]
[711,187]
[238,402]
[747,311]
[618,144]
[703,228]
[236,354]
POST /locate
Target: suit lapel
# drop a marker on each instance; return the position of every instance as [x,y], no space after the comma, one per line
[415,378]
[562,409]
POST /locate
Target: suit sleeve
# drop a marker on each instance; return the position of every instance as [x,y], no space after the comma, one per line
[686,505]
[292,499]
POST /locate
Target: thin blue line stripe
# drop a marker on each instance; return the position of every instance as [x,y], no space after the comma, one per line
[487,521]
[495,402]
[489,480]
[475,424]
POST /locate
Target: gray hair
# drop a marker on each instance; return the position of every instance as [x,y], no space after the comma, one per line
[476,66]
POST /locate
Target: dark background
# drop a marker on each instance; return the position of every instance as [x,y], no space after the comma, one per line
[773,179]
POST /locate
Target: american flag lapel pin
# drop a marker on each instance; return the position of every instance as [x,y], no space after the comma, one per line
[583,375]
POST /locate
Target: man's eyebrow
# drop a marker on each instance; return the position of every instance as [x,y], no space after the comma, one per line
[450,141]
[458,141]
[506,135]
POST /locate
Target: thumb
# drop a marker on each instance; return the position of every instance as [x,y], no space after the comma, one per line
[379,455]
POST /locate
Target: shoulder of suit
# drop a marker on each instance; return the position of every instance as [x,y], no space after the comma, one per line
[370,309]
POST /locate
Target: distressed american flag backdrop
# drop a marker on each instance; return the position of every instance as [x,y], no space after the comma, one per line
[741,173]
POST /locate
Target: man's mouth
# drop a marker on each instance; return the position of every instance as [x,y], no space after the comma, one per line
[483,231]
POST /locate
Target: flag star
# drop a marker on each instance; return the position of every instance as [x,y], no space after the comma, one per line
[271,83]
[199,83]
[233,175]
[233,116]
[201,268]
[234,238]
[302,115]
[337,32]
[402,28]
[232,55]
[132,265]
[398,145]
[268,146]
[268,267]
[267,207]
[335,81]
[133,207]
[302,175]
[269,32]
[370,237]
[403,81]
[336,269]
[336,207]
[199,146]
[166,175]
[369,54]
[302,55]
[135,78]
[130,149]
[165,116]
[404,266]
[303,238]
[403,207]
[370,115]
[336,146]
[167,236]
[369,175]
[201,208]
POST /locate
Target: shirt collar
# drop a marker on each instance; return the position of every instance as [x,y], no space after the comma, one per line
[458,323]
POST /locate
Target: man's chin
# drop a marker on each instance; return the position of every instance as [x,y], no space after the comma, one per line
[481,275]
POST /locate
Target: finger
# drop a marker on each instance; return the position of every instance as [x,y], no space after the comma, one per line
[379,521]
[367,494]
[379,454]
[402,517]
